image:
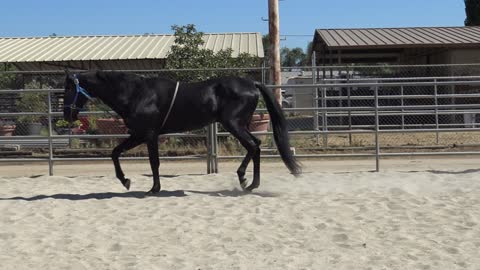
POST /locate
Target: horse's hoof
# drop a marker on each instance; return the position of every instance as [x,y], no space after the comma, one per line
[153,191]
[149,193]
[244,185]
[127,183]
[250,188]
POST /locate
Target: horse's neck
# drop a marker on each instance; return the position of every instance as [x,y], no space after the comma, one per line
[111,96]
[115,105]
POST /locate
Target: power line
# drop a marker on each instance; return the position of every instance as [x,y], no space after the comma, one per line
[296,35]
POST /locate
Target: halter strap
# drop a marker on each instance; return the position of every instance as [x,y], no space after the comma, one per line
[171,105]
[79,90]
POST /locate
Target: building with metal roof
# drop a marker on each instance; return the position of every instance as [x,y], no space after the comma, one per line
[416,45]
[134,52]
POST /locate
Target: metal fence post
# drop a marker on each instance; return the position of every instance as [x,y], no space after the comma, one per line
[50,130]
[377,129]
[349,104]
[264,79]
[212,149]
[209,149]
[215,147]
[324,117]
[435,88]
[402,104]
[315,95]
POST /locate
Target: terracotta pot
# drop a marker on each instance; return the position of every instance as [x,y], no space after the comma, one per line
[78,131]
[260,122]
[111,126]
[85,123]
[7,130]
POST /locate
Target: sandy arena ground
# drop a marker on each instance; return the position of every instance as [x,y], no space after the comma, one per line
[414,214]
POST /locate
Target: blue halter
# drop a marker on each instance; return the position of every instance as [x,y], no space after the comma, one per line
[79,90]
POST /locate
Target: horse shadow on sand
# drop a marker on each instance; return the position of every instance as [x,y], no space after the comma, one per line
[98,196]
[139,195]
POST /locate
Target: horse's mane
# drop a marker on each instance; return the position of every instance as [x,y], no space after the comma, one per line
[117,75]
[161,77]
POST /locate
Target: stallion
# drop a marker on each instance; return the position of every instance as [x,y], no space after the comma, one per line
[151,107]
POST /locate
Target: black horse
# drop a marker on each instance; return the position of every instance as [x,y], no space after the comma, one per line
[154,106]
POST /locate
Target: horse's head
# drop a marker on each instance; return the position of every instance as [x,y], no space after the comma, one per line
[75,97]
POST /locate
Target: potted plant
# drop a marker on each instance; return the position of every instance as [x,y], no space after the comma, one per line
[6,128]
[30,102]
[110,125]
[63,127]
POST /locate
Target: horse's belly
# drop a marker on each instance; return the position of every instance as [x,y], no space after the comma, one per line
[192,122]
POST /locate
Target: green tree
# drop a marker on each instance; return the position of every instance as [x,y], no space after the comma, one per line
[309,53]
[188,53]
[472,11]
[293,57]
[7,80]
[266,47]
[32,102]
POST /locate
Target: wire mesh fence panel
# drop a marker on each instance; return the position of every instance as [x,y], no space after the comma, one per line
[340,99]
[26,110]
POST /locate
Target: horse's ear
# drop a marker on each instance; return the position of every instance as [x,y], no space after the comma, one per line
[68,75]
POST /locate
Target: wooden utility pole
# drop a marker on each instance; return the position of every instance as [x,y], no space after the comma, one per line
[274,34]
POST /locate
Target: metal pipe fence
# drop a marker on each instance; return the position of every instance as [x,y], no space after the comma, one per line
[371,117]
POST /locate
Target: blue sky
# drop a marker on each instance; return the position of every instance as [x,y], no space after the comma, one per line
[297,17]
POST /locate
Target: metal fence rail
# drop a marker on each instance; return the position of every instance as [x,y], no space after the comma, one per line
[370,116]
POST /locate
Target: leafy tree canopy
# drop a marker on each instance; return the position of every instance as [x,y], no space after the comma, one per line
[188,53]
[293,57]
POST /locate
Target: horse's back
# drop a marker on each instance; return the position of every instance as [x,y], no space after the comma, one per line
[201,103]
[238,98]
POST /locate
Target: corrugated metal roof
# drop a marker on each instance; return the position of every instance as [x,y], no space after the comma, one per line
[100,48]
[399,37]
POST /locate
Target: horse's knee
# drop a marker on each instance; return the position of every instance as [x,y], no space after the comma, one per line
[257,141]
[255,151]
[115,154]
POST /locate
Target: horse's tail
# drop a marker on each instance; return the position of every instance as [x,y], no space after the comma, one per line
[280,132]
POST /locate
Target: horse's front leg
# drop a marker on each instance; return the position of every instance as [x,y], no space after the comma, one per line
[126,145]
[152,144]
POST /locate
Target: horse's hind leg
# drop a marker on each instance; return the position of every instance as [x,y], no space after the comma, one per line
[154,163]
[242,170]
[126,145]
[243,166]
[252,145]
